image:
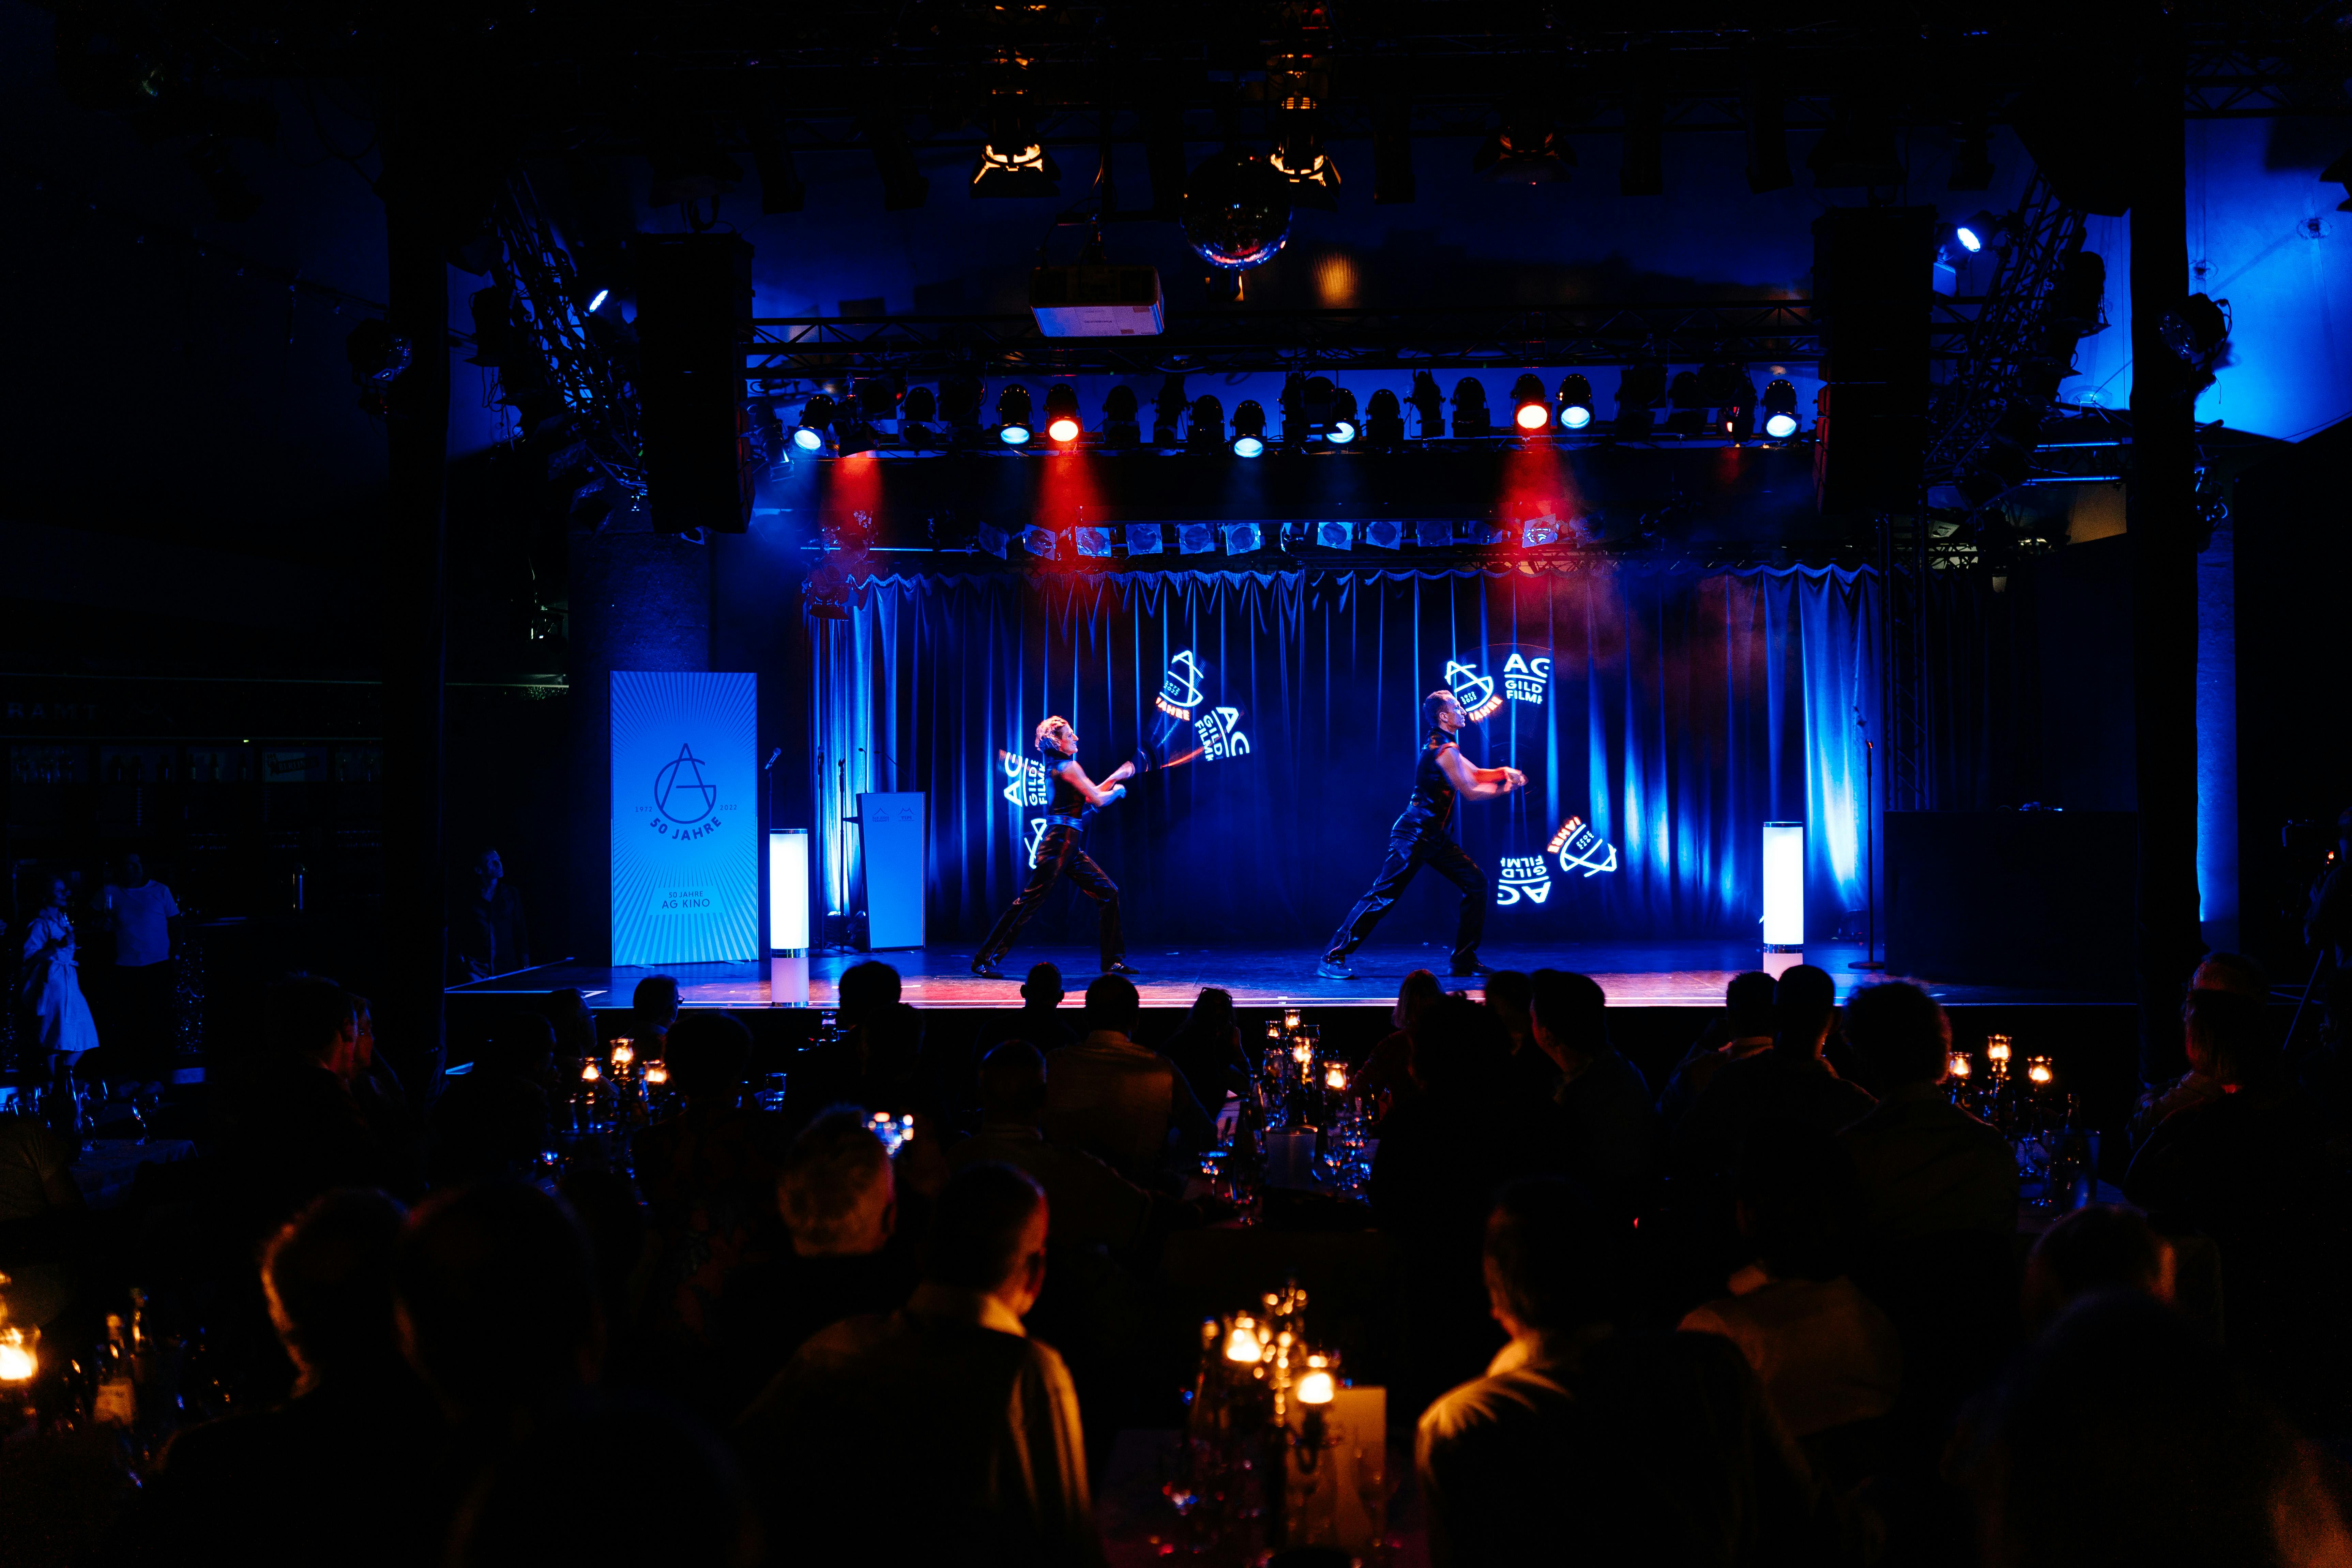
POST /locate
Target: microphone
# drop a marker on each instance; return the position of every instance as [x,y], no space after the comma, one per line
[771,759]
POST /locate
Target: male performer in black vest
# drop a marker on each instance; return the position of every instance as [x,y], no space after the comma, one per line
[1419,838]
[1063,850]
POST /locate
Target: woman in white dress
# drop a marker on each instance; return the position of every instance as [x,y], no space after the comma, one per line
[53,987]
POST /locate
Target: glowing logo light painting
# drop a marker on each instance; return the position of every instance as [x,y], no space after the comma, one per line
[1026,783]
[1221,735]
[1526,679]
[1581,850]
[1475,691]
[1180,688]
[1521,876]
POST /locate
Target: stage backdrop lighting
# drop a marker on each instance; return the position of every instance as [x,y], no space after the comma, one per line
[788,889]
[1384,534]
[1575,402]
[1333,535]
[1143,539]
[1530,409]
[1061,414]
[1784,885]
[1196,539]
[1244,538]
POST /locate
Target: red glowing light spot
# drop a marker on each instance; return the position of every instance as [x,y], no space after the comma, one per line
[1533,417]
[1063,429]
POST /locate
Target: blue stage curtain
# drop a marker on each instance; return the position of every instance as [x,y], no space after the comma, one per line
[1680,713]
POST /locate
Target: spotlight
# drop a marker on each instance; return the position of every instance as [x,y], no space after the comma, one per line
[1333,535]
[1249,428]
[1973,234]
[1384,419]
[1012,416]
[1093,541]
[1168,410]
[1429,404]
[1039,541]
[1779,408]
[854,436]
[1725,387]
[1298,155]
[1143,539]
[1525,150]
[1641,388]
[1430,535]
[596,299]
[1119,428]
[1242,538]
[959,402]
[1012,163]
[1061,414]
[1530,409]
[816,414]
[1205,431]
[1317,397]
[877,399]
[1384,534]
[918,406]
[1344,423]
[1469,407]
[1575,402]
[1539,531]
[1689,405]
[2197,330]
[1195,539]
[904,186]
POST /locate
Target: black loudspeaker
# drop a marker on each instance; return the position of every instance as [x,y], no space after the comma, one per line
[694,312]
[1873,288]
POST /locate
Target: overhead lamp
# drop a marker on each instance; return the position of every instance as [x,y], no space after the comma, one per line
[1013,162]
[1575,402]
[1061,414]
[1384,419]
[1531,408]
[1779,408]
[1168,410]
[918,405]
[816,413]
[1119,428]
[1524,150]
[1204,429]
[1344,425]
[1012,416]
[1333,535]
[1724,387]
[1384,534]
[1249,428]
[1470,408]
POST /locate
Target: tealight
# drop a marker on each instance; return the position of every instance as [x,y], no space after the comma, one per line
[1242,1344]
[588,1073]
[1302,1053]
[1335,1076]
[1290,1017]
[2038,1070]
[1317,1388]
[17,1363]
[656,1074]
[624,1053]
[1961,1065]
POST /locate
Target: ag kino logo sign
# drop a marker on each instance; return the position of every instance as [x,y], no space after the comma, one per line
[1524,679]
[1522,877]
[1221,735]
[1575,847]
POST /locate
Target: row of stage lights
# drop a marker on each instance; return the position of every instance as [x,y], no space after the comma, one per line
[1718,400]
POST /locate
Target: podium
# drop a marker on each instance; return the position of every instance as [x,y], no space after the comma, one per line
[891,831]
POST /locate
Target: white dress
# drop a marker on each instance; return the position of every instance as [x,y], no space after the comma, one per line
[53,985]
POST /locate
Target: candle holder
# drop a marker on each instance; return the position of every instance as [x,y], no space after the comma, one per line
[2039,1072]
[1997,1051]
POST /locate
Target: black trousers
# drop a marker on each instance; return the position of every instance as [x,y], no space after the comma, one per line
[1408,853]
[1061,853]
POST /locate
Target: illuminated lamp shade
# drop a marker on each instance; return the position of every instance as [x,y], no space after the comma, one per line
[1383,534]
[1012,416]
[1575,402]
[1196,539]
[788,889]
[1530,409]
[1143,539]
[1333,535]
[1039,541]
[1344,423]
[1779,409]
[1784,886]
[1242,538]
[1061,414]
[1249,428]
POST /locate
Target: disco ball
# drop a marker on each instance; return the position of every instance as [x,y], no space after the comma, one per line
[1236,211]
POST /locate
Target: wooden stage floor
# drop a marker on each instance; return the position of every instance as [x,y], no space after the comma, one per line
[1634,975]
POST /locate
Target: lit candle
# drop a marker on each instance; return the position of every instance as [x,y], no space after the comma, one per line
[2038,1071]
[17,1361]
[588,1073]
[1960,1065]
[1997,1048]
[1319,1385]
[624,1053]
[1290,1017]
[1335,1075]
[1302,1053]
[656,1074]
[1242,1344]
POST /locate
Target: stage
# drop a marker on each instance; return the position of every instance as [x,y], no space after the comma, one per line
[1634,975]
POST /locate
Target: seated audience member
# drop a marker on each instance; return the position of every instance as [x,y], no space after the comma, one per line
[493,1120]
[652,1010]
[621,1484]
[1093,1205]
[297,1132]
[1384,1079]
[1927,1165]
[1116,1099]
[879,1061]
[495,1294]
[275,1486]
[985,1460]
[272,1487]
[1531,1076]
[2227,971]
[1207,1050]
[1745,1028]
[393,1121]
[1826,1356]
[1038,1019]
[1600,1130]
[42,1221]
[575,1026]
[1585,1445]
[708,1177]
[1791,1082]
[2097,1248]
[2124,1436]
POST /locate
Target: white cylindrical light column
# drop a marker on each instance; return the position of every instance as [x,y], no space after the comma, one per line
[788,889]
[1784,885]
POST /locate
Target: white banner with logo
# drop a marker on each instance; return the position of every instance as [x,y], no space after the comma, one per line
[685,844]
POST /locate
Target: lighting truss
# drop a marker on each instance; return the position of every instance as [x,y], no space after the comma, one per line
[545,287]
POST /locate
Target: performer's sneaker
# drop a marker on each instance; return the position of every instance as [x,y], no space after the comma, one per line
[1121,967]
[986,969]
[1473,968]
[1334,968]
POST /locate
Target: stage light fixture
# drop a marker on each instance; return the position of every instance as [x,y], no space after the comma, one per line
[1384,419]
[1725,388]
[1092,541]
[904,186]
[1524,150]
[1195,539]
[1012,416]
[1429,404]
[1784,886]
[992,539]
[1640,387]
[816,413]
[1779,408]
[1689,413]
[1432,534]
[1316,397]
[918,405]
[1242,538]
[854,437]
[1530,408]
[1204,429]
[960,398]
[1249,428]
[1298,154]
[1539,531]
[1470,408]
[2197,330]
[1168,410]
[1061,414]
[1383,534]
[1013,162]
[1039,541]
[1334,535]
[1119,428]
[1143,539]
[1575,402]
[1344,425]
[781,190]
